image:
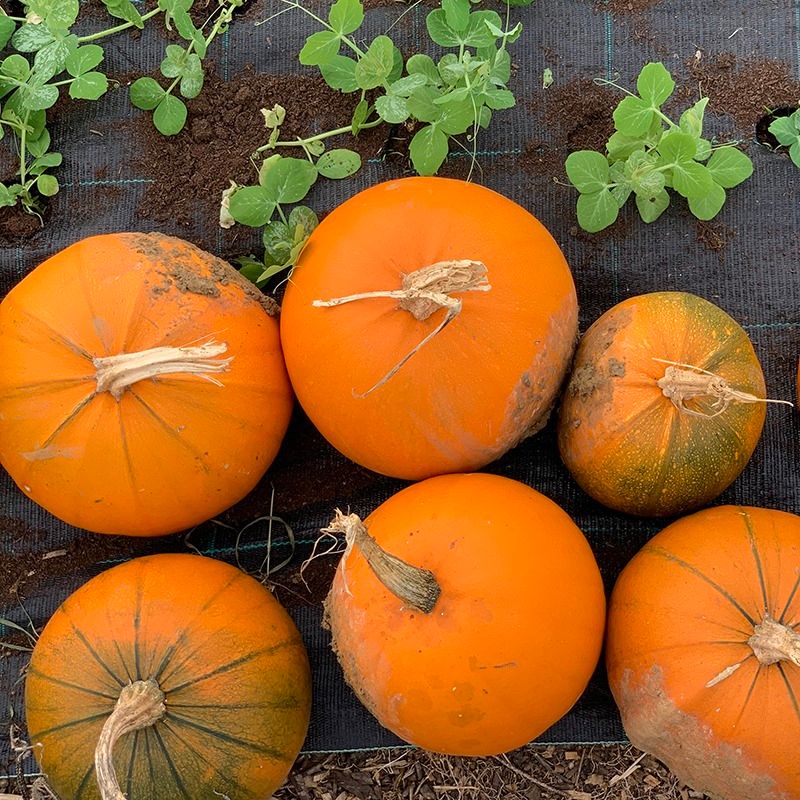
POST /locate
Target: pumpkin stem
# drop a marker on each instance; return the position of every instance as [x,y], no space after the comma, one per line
[773,642]
[425,291]
[116,373]
[682,382]
[415,586]
[140,704]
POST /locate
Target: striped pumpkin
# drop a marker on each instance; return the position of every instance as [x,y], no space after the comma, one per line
[228,659]
[704,651]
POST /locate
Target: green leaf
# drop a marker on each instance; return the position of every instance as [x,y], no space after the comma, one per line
[677,147]
[289,180]
[476,34]
[339,73]
[692,179]
[500,70]
[278,241]
[456,118]
[651,207]
[183,24]
[252,206]
[428,150]
[500,99]
[633,116]
[7,27]
[587,171]
[192,81]
[691,120]
[84,59]
[655,84]
[794,153]
[250,268]
[302,220]
[124,10]
[456,13]
[620,147]
[30,38]
[89,86]
[146,93]
[346,16]
[360,114]
[405,87]
[421,64]
[451,69]
[397,65]
[319,48]
[785,130]
[57,14]
[266,167]
[38,97]
[339,163]
[52,58]
[175,61]
[16,66]
[6,197]
[39,146]
[169,116]
[374,68]
[440,30]
[485,117]
[729,166]
[47,185]
[46,161]
[707,205]
[422,104]
[392,108]
[703,150]
[597,211]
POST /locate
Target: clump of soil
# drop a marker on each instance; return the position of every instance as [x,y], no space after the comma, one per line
[224,129]
[744,88]
[714,236]
[622,7]
[16,224]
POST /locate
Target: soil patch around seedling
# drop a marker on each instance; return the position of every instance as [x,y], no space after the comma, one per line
[744,88]
[624,7]
[224,128]
[763,135]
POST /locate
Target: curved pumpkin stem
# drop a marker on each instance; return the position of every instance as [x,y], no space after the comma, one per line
[424,291]
[116,373]
[682,382]
[140,704]
[415,586]
[773,642]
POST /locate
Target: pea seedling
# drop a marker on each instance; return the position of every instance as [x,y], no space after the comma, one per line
[787,131]
[649,153]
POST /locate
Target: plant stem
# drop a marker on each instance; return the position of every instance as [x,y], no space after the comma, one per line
[320,136]
[23,156]
[349,42]
[117,28]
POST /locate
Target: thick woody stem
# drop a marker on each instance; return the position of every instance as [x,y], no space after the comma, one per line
[425,291]
[773,642]
[416,587]
[116,373]
[684,382]
[140,704]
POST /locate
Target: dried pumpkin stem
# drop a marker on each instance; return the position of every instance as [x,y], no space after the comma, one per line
[116,373]
[425,291]
[773,642]
[415,586]
[683,382]
[140,704]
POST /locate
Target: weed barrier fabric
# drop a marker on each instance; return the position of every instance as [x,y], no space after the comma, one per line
[746,262]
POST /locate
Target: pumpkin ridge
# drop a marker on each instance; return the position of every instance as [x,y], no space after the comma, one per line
[179,784]
[72,723]
[789,602]
[666,464]
[91,650]
[68,685]
[227,667]
[71,417]
[54,385]
[264,750]
[84,782]
[170,431]
[751,535]
[203,759]
[131,763]
[123,437]
[790,690]
[750,692]
[660,551]
[137,624]
[57,337]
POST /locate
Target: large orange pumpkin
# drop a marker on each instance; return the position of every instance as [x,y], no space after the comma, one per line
[143,388]
[212,674]
[493,623]
[704,651]
[664,406]
[379,277]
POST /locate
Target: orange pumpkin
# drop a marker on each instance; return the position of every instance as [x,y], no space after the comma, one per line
[208,673]
[143,388]
[704,651]
[664,406]
[492,625]
[428,326]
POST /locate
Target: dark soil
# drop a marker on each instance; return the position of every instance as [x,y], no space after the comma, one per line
[744,88]
[714,236]
[763,135]
[226,121]
[624,7]
[16,224]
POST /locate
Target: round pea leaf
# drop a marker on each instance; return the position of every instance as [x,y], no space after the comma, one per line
[729,166]
[633,116]
[169,116]
[651,207]
[47,185]
[146,93]
[707,205]
[428,150]
[340,163]
[251,206]
[587,171]
[655,84]
[597,210]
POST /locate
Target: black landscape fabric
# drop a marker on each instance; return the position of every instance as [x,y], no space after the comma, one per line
[119,175]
